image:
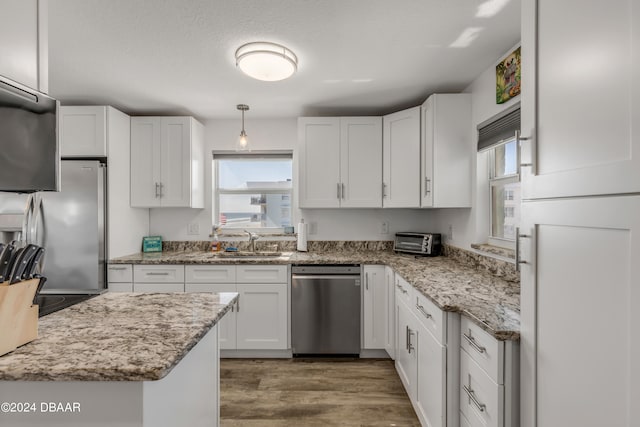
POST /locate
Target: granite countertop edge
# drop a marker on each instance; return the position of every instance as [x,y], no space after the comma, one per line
[415,270]
[36,362]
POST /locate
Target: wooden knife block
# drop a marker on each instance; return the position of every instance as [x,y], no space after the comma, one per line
[18,315]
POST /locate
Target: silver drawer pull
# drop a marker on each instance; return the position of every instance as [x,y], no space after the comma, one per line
[117,268]
[421,309]
[401,288]
[151,273]
[472,398]
[472,342]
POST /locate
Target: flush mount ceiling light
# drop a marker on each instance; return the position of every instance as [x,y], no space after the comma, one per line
[266,61]
[243,142]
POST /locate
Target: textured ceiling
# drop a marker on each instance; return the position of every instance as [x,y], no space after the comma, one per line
[355,56]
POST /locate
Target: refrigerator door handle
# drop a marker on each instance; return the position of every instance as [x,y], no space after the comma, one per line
[25,236]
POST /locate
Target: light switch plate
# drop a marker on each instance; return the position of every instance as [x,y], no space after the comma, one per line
[193,228]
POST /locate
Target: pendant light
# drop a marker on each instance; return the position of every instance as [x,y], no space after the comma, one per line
[243,141]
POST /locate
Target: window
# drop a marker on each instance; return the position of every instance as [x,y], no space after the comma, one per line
[504,182]
[252,191]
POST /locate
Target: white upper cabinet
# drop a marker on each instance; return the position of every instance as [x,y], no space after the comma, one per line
[446,151]
[340,162]
[24,42]
[401,159]
[83,131]
[319,162]
[580,98]
[167,164]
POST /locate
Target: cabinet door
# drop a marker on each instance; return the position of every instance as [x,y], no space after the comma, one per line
[319,162]
[120,287]
[175,161]
[83,131]
[447,151]
[401,159]
[580,98]
[19,41]
[406,357]
[145,162]
[158,287]
[262,317]
[580,334]
[390,327]
[432,379]
[361,162]
[375,307]
[227,325]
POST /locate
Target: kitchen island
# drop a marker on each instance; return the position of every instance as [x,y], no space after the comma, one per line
[119,359]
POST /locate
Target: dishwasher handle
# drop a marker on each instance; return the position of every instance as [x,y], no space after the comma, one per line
[325,276]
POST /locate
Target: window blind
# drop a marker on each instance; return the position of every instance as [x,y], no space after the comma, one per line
[498,129]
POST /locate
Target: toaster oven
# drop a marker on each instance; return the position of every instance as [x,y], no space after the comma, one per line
[426,244]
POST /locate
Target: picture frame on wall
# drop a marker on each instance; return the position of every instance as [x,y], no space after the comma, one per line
[508,77]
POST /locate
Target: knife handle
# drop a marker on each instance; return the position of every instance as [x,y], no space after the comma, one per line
[39,288]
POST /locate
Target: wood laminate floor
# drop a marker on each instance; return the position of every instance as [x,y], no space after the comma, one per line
[312,392]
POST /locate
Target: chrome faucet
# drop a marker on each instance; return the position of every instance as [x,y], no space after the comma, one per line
[252,239]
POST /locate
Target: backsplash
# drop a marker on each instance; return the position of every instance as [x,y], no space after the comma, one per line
[499,268]
[503,269]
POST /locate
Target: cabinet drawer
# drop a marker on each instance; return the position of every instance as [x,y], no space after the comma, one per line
[158,274]
[210,273]
[158,287]
[261,274]
[120,273]
[430,316]
[487,351]
[120,287]
[404,291]
[480,397]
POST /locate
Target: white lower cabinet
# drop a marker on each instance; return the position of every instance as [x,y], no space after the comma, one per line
[390,308]
[481,399]
[259,320]
[406,355]
[120,278]
[158,287]
[227,325]
[120,287]
[431,402]
[374,307]
[262,316]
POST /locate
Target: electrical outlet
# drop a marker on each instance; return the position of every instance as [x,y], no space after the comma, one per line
[384,227]
[450,232]
[193,228]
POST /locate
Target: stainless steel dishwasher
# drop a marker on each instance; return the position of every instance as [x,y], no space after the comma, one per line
[325,309]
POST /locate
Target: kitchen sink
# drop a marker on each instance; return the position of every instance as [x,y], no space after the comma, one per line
[247,254]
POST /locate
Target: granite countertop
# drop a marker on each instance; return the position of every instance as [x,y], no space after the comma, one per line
[116,337]
[491,302]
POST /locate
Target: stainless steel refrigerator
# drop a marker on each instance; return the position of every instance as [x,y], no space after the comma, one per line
[69,224]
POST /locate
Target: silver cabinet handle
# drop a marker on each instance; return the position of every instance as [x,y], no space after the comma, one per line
[151,273]
[472,342]
[384,190]
[427,186]
[422,310]
[519,139]
[366,281]
[406,338]
[117,268]
[518,237]
[342,190]
[338,190]
[409,345]
[157,190]
[401,288]
[472,398]
[238,304]
[161,188]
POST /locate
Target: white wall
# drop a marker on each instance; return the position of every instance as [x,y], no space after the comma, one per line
[328,224]
[472,225]
[126,225]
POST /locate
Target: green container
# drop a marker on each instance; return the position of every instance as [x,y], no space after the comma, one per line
[152,244]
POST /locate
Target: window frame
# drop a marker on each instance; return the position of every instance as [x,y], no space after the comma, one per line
[216,191]
[494,181]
